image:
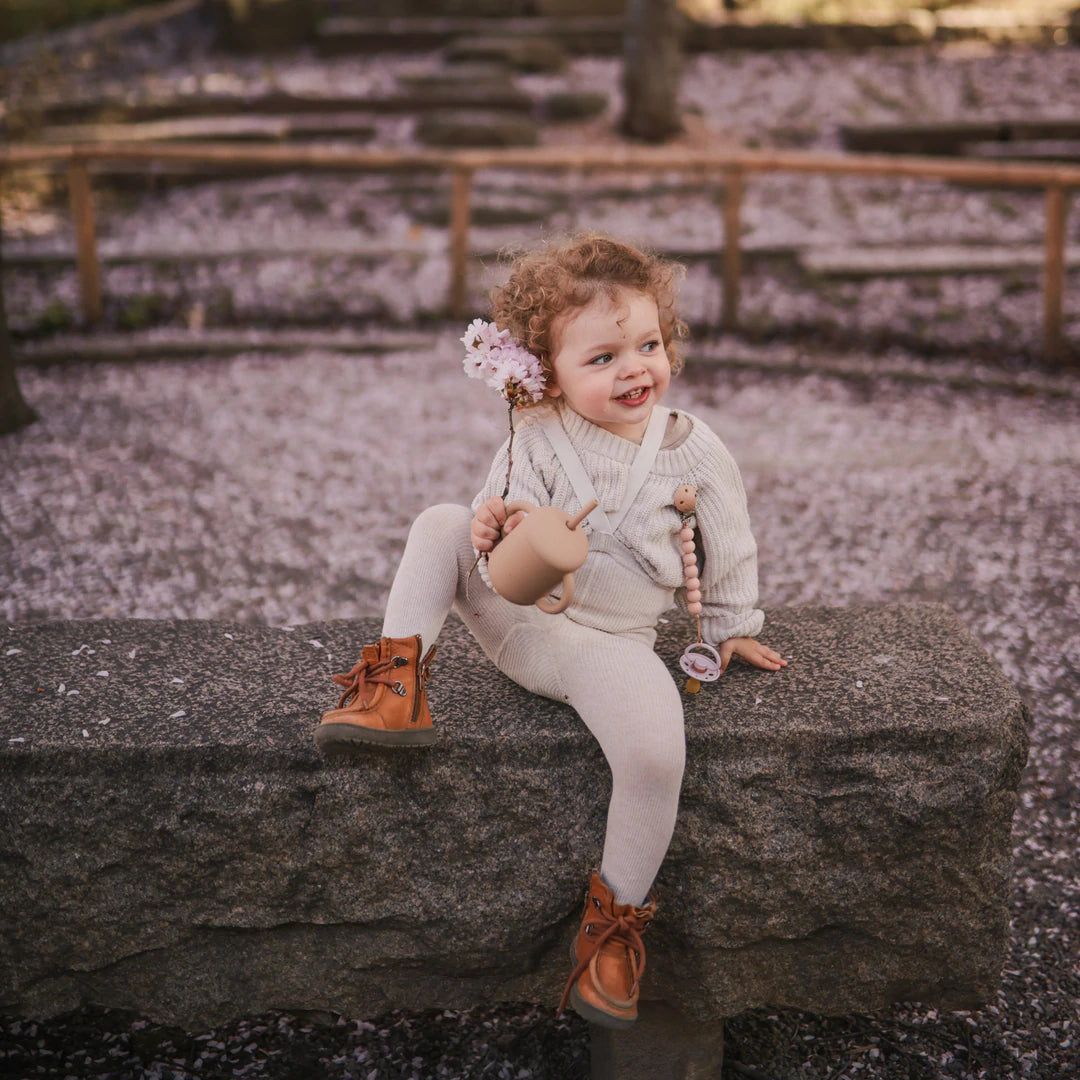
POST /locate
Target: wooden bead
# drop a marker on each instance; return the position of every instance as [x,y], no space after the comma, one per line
[690,570]
[685,498]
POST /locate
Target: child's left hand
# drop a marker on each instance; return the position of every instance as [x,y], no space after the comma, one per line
[752,651]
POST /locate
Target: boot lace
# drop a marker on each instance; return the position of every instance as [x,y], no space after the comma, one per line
[362,679]
[624,930]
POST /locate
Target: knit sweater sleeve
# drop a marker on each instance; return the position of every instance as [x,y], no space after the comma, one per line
[531,475]
[729,580]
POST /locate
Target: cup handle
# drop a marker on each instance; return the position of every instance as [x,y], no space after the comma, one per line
[553,607]
[519,504]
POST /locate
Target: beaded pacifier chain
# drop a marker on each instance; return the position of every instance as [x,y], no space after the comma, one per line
[700,661]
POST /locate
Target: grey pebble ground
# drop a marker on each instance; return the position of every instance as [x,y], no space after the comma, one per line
[279,489]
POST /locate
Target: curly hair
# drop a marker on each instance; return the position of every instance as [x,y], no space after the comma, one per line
[554,281]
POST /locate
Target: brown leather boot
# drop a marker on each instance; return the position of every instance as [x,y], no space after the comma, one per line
[609,957]
[384,700]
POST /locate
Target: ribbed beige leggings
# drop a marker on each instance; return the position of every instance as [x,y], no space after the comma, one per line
[617,684]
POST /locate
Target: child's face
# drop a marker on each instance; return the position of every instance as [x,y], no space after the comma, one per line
[610,364]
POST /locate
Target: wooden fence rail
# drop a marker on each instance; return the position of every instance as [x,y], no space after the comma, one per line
[729,168]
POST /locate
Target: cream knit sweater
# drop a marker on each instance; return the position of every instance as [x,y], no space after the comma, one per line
[633,576]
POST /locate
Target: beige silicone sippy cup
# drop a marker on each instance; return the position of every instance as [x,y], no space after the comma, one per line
[542,550]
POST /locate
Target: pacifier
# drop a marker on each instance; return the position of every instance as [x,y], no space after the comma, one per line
[702,663]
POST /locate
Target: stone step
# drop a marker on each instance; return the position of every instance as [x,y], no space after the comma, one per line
[343,246]
[453,128]
[857,262]
[325,247]
[105,109]
[525,53]
[761,35]
[136,176]
[951,137]
[488,10]
[139,176]
[169,344]
[240,128]
[493,11]
[600,35]
[463,86]
[1026,150]
[578,34]
[865,261]
[416,96]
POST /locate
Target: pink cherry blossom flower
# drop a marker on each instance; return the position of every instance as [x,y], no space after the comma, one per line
[493,355]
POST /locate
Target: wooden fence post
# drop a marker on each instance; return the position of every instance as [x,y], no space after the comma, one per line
[1054,283]
[460,198]
[733,185]
[86,258]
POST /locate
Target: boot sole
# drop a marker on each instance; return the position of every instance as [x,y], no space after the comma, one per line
[344,736]
[597,1016]
[591,1013]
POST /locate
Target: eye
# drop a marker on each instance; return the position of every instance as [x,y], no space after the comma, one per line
[651,346]
[603,358]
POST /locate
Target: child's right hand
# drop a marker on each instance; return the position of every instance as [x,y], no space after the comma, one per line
[490,524]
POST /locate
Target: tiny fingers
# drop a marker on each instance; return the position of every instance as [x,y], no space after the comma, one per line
[484,535]
[764,657]
[752,652]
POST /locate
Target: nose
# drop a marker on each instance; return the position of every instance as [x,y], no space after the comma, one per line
[631,366]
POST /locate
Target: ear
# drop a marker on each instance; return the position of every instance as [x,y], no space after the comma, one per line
[553,391]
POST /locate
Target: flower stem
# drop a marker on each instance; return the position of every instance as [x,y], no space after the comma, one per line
[509,449]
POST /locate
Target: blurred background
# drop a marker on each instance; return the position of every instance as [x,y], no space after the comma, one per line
[852,260]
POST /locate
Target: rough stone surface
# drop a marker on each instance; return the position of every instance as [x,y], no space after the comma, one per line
[172,842]
[569,105]
[520,52]
[478,86]
[461,127]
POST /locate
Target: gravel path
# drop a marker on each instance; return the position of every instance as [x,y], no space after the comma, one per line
[279,490]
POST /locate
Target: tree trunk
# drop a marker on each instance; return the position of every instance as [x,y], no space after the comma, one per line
[652,68]
[15,414]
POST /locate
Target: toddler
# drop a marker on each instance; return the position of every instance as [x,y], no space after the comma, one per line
[598,318]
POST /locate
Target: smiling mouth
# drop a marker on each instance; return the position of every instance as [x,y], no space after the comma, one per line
[632,397]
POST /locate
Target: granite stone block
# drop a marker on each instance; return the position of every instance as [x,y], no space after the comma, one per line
[172,842]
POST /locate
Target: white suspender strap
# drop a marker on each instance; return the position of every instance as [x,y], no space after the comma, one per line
[579,478]
[643,460]
[575,472]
